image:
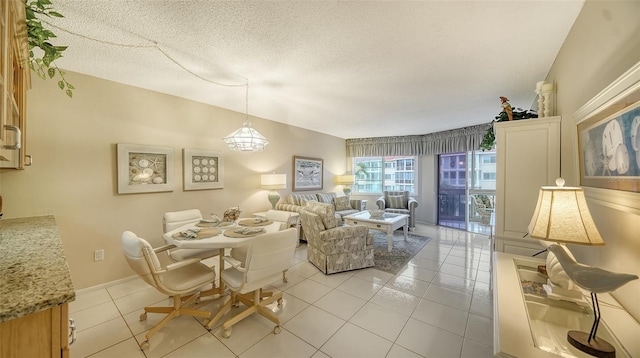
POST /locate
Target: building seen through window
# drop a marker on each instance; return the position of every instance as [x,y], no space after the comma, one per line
[377,174]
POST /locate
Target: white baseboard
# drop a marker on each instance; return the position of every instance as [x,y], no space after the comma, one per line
[107,284]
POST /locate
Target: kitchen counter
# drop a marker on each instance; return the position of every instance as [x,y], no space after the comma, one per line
[34,275]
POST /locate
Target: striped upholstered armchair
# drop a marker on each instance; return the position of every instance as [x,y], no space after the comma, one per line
[399,202]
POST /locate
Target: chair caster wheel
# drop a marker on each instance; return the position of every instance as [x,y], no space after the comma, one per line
[144,345]
[226,333]
[276,330]
[143,316]
[279,301]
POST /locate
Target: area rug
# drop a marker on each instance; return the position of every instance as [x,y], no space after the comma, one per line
[402,251]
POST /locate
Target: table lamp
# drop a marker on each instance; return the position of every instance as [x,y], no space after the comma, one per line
[273,182]
[562,216]
[346,180]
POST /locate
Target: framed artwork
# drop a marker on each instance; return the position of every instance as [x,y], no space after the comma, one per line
[203,169]
[307,173]
[144,169]
[609,137]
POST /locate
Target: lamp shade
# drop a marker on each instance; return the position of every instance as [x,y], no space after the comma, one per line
[246,139]
[273,181]
[562,215]
[346,179]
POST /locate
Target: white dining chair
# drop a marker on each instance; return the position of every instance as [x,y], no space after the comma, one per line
[181,280]
[268,255]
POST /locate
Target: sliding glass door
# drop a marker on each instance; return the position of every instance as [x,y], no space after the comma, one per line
[466,190]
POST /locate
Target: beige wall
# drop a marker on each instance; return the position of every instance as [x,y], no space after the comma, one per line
[603,44]
[74,172]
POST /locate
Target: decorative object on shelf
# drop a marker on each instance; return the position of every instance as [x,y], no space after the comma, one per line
[544,91]
[346,180]
[273,182]
[246,139]
[539,94]
[144,169]
[307,173]
[596,281]
[40,37]
[489,139]
[506,108]
[202,169]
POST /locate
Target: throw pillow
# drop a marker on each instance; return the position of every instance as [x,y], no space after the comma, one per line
[326,212]
[396,202]
[326,197]
[342,203]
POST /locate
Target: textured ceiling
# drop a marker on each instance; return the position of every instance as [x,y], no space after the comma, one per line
[351,69]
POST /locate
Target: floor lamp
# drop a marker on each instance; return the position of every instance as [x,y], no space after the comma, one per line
[273,182]
[562,216]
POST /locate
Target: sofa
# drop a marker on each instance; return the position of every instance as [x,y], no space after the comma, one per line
[342,204]
[331,247]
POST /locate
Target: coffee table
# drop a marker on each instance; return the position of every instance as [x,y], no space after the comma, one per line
[388,223]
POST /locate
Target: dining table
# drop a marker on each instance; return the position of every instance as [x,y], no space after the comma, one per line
[216,236]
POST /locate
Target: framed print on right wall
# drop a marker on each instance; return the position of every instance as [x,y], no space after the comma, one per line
[608,136]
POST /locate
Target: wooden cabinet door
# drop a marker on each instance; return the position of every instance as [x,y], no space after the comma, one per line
[40,334]
[14,77]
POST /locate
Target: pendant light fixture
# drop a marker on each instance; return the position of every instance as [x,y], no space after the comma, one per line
[246,139]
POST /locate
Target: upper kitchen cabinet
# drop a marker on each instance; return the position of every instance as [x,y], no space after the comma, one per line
[14,81]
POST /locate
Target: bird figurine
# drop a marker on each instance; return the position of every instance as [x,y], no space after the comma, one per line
[506,107]
[594,280]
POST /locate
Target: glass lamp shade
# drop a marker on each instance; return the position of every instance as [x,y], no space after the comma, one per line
[246,139]
[562,215]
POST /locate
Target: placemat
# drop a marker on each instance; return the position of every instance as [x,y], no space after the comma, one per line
[243,232]
[202,234]
[218,224]
[254,222]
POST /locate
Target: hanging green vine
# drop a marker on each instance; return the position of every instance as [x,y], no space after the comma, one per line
[489,139]
[44,65]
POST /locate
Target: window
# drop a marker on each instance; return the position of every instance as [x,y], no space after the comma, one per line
[488,176]
[490,158]
[399,173]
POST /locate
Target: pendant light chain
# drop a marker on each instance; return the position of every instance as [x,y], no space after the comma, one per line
[244,139]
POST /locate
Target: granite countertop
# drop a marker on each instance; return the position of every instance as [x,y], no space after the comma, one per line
[34,275]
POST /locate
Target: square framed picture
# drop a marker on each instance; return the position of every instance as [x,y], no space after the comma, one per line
[307,173]
[144,169]
[203,169]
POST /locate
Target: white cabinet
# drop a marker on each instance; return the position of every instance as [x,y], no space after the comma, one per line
[528,157]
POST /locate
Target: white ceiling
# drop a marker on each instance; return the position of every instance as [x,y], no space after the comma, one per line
[351,69]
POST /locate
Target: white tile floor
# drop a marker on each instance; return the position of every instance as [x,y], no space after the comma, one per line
[439,305]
